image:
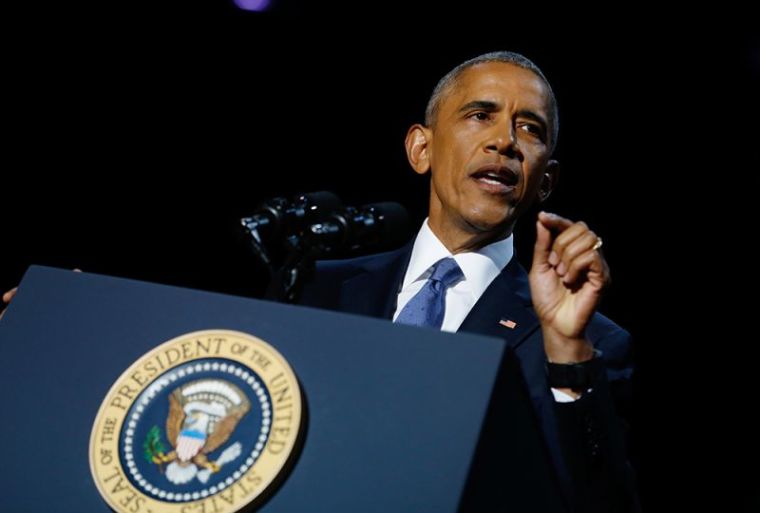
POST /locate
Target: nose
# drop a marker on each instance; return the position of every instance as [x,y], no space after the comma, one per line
[503,140]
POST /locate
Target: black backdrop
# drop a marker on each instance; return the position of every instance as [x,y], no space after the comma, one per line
[134,151]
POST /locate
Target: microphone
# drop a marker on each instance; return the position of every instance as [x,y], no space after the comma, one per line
[316,225]
[279,218]
[376,226]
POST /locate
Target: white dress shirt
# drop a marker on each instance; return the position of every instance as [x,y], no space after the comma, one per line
[479,267]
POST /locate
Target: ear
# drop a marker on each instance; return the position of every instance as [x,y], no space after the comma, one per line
[548,180]
[417,148]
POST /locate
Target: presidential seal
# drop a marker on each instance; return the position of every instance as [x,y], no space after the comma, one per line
[204,423]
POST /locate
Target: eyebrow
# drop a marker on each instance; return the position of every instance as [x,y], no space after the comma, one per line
[485,105]
[490,106]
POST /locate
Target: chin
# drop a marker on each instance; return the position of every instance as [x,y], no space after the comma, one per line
[490,222]
[491,217]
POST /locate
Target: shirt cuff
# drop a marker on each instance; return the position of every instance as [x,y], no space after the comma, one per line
[562,397]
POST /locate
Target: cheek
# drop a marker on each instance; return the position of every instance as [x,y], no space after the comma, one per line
[529,191]
[530,188]
[448,181]
[534,175]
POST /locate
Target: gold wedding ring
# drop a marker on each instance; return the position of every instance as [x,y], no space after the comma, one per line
[598,243]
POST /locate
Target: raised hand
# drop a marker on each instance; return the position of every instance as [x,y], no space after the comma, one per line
[567,278]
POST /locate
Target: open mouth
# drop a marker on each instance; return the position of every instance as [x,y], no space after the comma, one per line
[496,178]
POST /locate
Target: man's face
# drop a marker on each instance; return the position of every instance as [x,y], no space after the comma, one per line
[489,148]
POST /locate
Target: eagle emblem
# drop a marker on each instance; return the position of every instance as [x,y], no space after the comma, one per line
[203,414]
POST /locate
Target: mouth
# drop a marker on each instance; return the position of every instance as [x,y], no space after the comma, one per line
[496,178]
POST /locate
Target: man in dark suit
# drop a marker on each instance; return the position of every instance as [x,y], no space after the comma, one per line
[490,129]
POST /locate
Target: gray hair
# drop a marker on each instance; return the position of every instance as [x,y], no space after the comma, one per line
[449,80]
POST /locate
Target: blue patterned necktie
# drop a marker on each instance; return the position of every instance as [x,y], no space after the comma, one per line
[428,306]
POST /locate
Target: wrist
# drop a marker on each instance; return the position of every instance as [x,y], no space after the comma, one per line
[575,376]
[561,348]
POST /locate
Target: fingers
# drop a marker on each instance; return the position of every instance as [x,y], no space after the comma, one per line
[9,295]
[567,265]
[579,268]
[572,252]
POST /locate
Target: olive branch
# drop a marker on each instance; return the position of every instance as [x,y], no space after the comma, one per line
[153,447]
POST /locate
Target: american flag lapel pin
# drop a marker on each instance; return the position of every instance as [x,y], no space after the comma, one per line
[508,323]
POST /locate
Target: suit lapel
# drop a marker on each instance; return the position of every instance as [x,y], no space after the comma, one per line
[374,290]
[506,298]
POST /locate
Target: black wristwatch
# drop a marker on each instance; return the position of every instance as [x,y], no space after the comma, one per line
[578,376]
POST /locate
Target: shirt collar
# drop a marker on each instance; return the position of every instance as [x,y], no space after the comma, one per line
[479,267]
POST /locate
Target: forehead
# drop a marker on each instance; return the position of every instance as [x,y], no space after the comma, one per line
[502,83]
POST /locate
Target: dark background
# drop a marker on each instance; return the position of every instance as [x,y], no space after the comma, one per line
[132,145]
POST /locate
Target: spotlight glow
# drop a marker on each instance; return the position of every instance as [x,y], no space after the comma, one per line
[252,5]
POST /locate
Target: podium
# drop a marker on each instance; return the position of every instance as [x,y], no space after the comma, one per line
[394,418]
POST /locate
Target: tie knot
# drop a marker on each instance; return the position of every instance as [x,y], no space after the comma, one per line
[428,306]
[447,272]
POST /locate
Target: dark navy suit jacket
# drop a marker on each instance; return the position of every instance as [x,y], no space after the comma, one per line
[584,440]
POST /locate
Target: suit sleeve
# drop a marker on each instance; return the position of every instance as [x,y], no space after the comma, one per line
[594,430]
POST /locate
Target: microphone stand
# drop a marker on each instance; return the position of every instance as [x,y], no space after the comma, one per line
[287,282]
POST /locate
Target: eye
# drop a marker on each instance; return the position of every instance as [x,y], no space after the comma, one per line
[480,115]
[532,129]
